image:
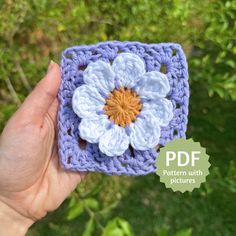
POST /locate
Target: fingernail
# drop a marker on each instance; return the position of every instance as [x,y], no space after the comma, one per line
[51,63]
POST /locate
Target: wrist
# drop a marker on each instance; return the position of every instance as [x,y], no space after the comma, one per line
[13,223]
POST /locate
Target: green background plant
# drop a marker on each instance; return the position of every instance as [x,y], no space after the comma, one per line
[34,31]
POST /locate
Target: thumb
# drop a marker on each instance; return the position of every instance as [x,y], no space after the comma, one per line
[38,102]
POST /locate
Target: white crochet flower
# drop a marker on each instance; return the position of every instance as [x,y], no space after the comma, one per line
[101,79]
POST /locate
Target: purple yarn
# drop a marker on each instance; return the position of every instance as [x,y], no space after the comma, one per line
[100,112]
[127,130]
[74,156]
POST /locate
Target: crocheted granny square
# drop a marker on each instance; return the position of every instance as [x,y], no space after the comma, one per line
[119,102]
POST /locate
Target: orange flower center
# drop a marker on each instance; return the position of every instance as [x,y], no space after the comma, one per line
[122,106]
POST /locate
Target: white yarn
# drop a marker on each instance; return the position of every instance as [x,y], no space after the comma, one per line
[145,132]
[92,129]
[114,142]
[86,101]
[129,71]
[153,85]
[128,68]
[161,108]
[100,75]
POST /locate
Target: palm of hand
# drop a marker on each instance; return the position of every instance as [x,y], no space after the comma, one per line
[31,179]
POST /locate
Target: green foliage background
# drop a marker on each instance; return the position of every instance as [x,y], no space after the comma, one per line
[34,31]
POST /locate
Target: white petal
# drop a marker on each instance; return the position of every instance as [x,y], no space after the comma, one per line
[145,132]
[128,67]
[100,75]
[86,101]
[114,142]
[153,85]
[161,108]
[92,129]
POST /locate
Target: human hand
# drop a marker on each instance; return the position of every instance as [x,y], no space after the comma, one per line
[32,182]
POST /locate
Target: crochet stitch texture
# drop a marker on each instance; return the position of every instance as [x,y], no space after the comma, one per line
[127,99]
[76,156]
[113,120]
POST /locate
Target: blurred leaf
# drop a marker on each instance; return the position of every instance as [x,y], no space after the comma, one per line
[75,211]
[91,203]
[107,210]
[117,227]
[163,232]
[89,227]
[72,200]
[184,232]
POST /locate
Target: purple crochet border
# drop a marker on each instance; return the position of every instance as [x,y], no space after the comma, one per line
[73,154]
